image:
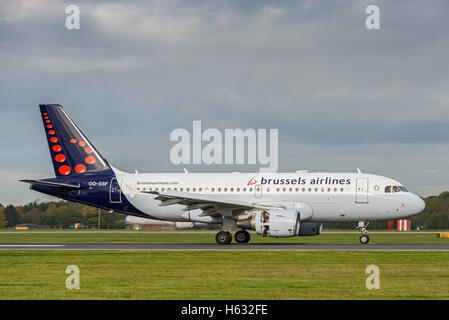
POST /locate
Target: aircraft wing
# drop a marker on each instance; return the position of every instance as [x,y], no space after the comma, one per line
[209,204]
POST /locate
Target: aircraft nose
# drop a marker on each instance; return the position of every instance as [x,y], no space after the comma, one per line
[418,204]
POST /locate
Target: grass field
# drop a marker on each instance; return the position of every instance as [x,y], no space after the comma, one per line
[205,237]
[219,274]
[223,275]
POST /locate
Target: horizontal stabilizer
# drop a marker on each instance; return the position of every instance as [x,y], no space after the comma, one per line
[52,184]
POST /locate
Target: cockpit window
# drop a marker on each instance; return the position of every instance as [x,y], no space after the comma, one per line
[390,189]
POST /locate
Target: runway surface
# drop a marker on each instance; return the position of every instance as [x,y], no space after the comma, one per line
[231,247]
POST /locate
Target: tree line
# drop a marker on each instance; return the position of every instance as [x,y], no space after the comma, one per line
[60,214]
[63,214]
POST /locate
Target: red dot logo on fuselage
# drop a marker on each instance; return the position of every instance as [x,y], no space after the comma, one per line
[252,182]
[54,139]
[72,140]
[57,148]
[52,132]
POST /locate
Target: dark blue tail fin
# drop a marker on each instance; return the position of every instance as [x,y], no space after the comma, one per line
[71,152]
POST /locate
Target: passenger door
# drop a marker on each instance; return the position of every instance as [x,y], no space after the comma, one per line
[115,194]
[361,190]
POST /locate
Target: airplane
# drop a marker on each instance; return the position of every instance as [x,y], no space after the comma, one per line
[272,204]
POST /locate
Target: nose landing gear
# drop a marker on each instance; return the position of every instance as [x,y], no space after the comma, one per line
[364,238]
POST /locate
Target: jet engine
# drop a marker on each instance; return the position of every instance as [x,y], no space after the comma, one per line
[280,224]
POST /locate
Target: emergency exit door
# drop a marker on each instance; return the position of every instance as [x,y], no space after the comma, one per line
[361,190]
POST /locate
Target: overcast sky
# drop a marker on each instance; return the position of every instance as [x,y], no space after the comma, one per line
[341,96]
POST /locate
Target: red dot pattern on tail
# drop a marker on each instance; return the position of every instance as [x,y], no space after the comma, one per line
[80,168]
[60,157]
[65,170]
[90,160]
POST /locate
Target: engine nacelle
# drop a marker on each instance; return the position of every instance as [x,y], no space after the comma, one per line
[277,223]
[280,224]
[310,229]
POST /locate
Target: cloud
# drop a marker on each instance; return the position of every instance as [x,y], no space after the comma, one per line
[341,96]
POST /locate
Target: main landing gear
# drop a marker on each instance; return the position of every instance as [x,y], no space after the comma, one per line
[364,238]
[242,236]
[225,237]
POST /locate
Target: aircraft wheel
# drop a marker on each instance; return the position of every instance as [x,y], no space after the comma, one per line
[223,237]
[242,236]
[364,239]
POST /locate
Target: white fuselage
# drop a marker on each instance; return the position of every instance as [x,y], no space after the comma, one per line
[332,196]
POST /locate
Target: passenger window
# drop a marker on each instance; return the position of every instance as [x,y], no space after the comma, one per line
[387,189]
